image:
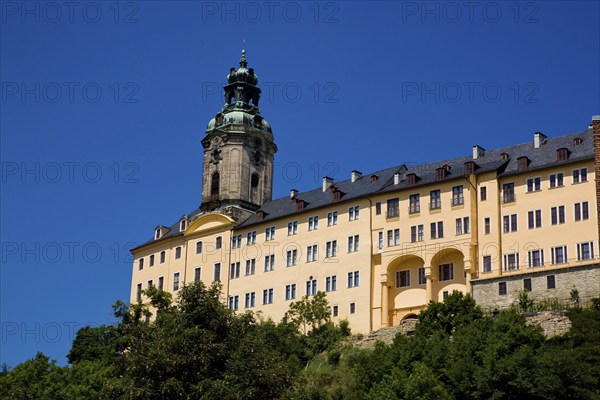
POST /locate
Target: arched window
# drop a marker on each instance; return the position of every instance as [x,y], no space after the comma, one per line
[214,184]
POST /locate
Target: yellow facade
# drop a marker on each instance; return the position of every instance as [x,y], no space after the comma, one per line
[491,224]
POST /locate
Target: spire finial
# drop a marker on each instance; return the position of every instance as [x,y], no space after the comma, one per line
[243,61]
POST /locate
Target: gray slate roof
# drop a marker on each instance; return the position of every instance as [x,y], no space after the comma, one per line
[542,157]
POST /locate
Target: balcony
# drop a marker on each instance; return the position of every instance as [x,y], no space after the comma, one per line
[435,204]
[508,198]
[458,201]
[392,213]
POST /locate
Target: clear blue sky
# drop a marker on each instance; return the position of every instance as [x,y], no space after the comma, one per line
[104,104]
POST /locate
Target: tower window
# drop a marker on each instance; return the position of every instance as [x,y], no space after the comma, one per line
[254,180]
[214,184]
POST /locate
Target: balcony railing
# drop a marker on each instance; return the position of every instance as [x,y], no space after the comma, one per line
[392,213]
[414,208]
[435,204]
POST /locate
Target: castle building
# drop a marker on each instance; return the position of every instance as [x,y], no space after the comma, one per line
[384,244]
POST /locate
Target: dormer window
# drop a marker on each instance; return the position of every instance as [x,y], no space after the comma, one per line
[522,163]
[374,178]
[469,167]
[504,156]
[577,141]
[335,193]
[260,215]
[300,205]
[157,233]
[182,225]
[562,154]
[440,174]
[411,179]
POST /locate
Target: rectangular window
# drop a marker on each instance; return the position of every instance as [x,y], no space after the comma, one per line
[534,219]
[332,218]
[218,242]
[292,257]
[312,253]
[414,203]
[393,208]
[352,308]
[582,211]
[437,230]
[250,300]
[161,283]
[250,266]
[331,283]
[198,247]
[435,199]
[353,213]
[270,233]
[353,279]
[510,223]
[422,277]
[311,287]
[236,241]
[536,258]
[163,256]
[403,278]
[551,282]
[234,303]
[151,261]
[393,237]
[334,311]
[486,226]
[352,244]
[268,296]
[487,263]
[251,238]
[217,274]
[534,184]
[331,249]
[527,284]
[234,270]
[483,193]
[585,251]
[556,180]
[292,228]
[138,293]
[197,274]
[176,281]
[508,192]
[290,291]
[446,272]
[178,252]
[140,264]
[457,195]
[502,288]
[511,262]
[462,225]
[416,233]
[269,263]
[559,254]
[580,175]
[557,215]
[313,223]
[378,208]
[380,240]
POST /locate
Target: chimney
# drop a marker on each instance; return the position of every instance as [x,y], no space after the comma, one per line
[293,193]
[478,151]
[539,139]
[355,176]
[596,132]
[327,181]
[396,178]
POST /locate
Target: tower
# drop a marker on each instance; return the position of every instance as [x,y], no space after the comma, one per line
[238,147]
